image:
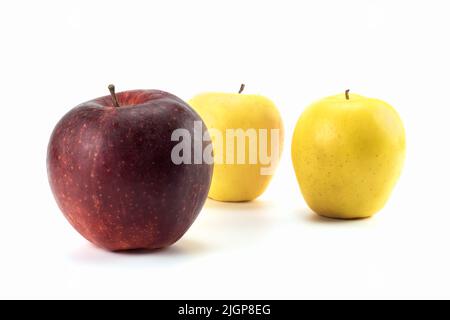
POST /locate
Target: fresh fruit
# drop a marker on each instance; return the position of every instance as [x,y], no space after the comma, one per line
[247,135]
[348,152]
[110,169]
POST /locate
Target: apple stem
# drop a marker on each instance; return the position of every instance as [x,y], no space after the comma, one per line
[112,90]
[242,88]
[347,96]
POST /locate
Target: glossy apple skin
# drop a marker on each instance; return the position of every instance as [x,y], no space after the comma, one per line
[111,172]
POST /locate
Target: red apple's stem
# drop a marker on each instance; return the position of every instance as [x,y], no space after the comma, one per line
[347,96]
[112,90]
[242,88]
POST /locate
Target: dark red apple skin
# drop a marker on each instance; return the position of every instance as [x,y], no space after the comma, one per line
[111,172]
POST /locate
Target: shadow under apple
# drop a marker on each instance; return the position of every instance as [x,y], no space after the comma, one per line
[257,206]
[309,216]
[177,253]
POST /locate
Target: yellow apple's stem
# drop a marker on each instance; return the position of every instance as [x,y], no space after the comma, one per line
[347,96]
[242,88]
[112,90]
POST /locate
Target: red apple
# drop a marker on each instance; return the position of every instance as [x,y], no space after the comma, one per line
[110,169]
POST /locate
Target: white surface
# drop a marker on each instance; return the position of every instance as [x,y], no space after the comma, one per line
[56,54]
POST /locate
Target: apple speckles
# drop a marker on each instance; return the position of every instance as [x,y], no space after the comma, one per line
[95,201]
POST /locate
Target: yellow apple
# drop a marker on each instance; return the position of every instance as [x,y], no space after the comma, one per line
[247,136]
[348,153]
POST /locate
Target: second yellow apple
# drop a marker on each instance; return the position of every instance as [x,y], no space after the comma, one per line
[247,136]
[348,152]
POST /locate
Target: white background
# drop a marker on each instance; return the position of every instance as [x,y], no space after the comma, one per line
[57,54]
